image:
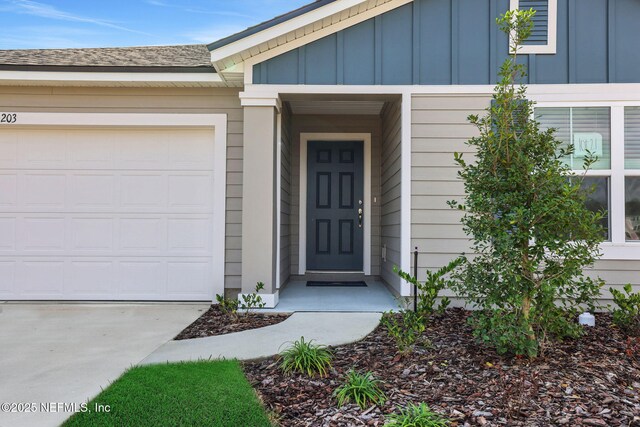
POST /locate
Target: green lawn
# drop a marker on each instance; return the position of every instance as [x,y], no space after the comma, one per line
[183,394]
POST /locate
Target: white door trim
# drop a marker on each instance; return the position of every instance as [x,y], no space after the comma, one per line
[216,121]
[302,232]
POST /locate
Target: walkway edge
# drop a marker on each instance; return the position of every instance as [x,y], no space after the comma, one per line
[323,328]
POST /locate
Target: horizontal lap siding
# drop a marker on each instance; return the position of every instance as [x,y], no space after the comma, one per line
[616,274]
[285,199]
[155,100]
[440,128]
[391,190]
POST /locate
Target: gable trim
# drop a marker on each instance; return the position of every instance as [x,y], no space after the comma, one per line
[282,28]
[268,24]
[309,38]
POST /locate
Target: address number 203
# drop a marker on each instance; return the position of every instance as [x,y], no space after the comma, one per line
[8,118]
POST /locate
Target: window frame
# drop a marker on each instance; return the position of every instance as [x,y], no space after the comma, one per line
[552,32]
[618,248]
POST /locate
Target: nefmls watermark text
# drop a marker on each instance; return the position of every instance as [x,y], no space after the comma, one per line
[53,407]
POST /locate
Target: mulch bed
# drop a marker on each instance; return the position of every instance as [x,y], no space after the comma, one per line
[591,381]
[215,322]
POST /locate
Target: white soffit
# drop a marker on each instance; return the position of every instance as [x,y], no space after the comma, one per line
[369,108]
[100,79]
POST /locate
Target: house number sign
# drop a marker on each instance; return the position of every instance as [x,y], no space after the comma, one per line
[8,118]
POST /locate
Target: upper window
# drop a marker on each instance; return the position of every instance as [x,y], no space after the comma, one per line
[545,23]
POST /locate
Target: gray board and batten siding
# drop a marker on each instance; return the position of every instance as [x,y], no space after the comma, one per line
[451,42]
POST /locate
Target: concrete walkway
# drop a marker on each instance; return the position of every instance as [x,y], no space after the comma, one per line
[67,353]
[323,328]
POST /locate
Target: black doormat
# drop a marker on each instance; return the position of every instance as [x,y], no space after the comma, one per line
[352,284]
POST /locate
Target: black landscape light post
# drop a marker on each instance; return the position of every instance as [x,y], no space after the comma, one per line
[415,283]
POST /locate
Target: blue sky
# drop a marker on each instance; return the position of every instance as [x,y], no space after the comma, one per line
[26,24]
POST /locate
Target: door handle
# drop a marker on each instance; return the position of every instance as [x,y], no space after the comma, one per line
[360,212]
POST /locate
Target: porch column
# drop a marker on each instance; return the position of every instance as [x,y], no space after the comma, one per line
[259,204]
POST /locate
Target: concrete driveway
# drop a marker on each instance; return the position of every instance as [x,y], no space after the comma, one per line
[66,353]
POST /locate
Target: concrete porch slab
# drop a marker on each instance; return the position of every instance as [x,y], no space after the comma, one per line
[296,297]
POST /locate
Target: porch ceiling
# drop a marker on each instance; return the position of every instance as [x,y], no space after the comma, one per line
[372,108]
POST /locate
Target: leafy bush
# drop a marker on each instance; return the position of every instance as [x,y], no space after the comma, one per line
[361,389]
[228,306]
[428,291]
[531,230]
[252,300]
[416,416]
[406,328]
[627,315]
[306,358]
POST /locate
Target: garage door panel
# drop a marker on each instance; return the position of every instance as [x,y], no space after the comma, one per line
[187,278]
[106,213]
[91,279]
[91,190]
[8,190]
[41,278]
[43,190]
[92,234]
[185,236]
[191,191]
[143,150]
[194,153]
[43,150]
[143,191]
[8,150]
[142,234]
[42,234]
[8,231]
[141,279]
[88,152]
[8,275]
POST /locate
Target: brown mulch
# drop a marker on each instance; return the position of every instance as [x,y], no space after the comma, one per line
[591,381]
[215,322]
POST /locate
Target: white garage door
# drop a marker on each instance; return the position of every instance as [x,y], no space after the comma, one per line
[106,213]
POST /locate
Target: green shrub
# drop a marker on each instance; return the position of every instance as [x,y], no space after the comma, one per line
[627,315]
[416,416]
[508,332]
[532,234]
[428,291]
[228,306]
[406,329]
[361,389]
[306,358]
[252,300]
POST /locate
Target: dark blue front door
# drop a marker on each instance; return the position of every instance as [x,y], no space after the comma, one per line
[335,205]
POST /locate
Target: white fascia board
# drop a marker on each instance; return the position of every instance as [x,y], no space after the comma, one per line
[219,121]
[282,28]
[538,92]
[98,77]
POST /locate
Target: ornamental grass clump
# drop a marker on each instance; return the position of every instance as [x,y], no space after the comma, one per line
[306,358]
[416,416]
[532,234]
[361,389]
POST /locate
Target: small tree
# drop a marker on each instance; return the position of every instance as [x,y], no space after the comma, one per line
[529,225]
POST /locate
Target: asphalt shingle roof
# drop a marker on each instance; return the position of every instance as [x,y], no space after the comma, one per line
[174,57]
